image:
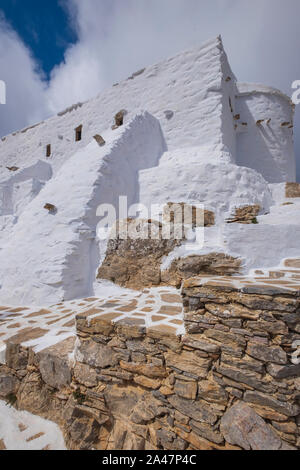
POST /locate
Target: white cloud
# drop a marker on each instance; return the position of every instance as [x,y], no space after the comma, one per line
[25,87]
[117,37]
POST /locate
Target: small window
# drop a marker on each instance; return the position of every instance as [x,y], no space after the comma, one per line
[78,133]
[48,151]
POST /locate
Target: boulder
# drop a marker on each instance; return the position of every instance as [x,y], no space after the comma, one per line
[54,364]
[243,427]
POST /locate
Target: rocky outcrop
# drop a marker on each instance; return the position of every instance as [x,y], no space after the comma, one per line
[135,252]
[218,264]
[133,257]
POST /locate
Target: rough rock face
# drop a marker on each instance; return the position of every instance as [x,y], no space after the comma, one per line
[242,426]
[8,384]
[133,258]
[245,214]
[292,190]
[198,265]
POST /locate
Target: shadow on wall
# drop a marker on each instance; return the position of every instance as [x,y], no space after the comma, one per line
[264,140]
[22,187]
[115,172]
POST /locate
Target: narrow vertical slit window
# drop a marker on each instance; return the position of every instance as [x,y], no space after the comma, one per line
[48,151]
[78,134]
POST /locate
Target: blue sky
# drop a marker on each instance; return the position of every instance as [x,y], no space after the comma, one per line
[54,53]
[44,25]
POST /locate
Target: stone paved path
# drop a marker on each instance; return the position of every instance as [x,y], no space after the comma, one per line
[159,308]
[283,278]
[20,430]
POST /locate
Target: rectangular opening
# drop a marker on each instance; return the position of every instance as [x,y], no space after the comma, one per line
[48,151]
[78,133]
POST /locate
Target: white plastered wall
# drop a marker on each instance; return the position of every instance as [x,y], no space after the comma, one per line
[265,132]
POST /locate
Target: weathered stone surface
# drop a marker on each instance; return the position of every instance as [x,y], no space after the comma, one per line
[273,354]
[171,341]
[268,413]
[212,392]
[8,384]
[241,426]
[196,442]
[147,382]
[245,214]
[246,363]
[252,379]
[85,375]
[186,389]
[94,325]
[54,364]
[283,372]
[258,398]
[99,139]
[84,432]
[226,338]
[189,363]
[96,355]
[232,311]
[16,356]
[195,410]
[292,190]
[265,302]
[288,428]
[197,342]
[148,370]
[121,401]
[146,410]
[134,261]
[143,347]
[119,118]
[212,263]
[273,327]
[206,431]
[34,396]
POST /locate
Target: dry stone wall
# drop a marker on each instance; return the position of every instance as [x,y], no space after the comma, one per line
[229,383]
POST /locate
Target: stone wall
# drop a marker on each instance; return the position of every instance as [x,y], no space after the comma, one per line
[229,383]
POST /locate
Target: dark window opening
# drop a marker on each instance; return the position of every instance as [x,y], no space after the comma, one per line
[48,151]
[78,133]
